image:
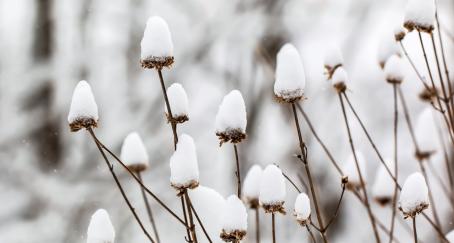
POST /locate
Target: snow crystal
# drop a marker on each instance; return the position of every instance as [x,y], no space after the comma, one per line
[184,169]
[394,70]
[100,229]
[387,47]
[133,152]
[302,207]
[178,101]
[83,105]
[420,14]
[272,186]
[232,113]
[351,171]
[414,196]
[234,216]
[157,40]
[251,185]
[450,236]
[290,77]
[383,188]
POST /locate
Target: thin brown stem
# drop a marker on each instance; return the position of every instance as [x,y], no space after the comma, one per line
[311,234]
[414,66]
[291,182]
[337,209]
[148,191]
[191,220]
[149,212]
[361,178]
[431,199]
[166,99]
[257,225]
[308,172]
[199,220]
[188,237]
[237,173]
[123,194]
[415,234]
[396,167]
[274,227]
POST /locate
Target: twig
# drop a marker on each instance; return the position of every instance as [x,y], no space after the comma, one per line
[396,166]
[166,99]
[199,221]
[363,185]
[110,166]
[308,172]
[257,225]
[291,182]
[237,173]
[414,66]
[148,208]
[311,234]
[183,206]
[274,227]
[337,209]
[415,234]
[191,220]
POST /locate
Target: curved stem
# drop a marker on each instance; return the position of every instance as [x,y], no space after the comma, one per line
[237,173]
[337,209]
[149,212]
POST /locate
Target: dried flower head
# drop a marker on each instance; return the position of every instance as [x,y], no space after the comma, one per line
[234,220]
[156,44]
[272,190]
[339,80]
[83,112]
[251,186]
[231,118]
[178,101]
[399,32]
[414,197]
[184,169]
[133,153]
[394,70]
[387,48]
[420,15]
[428,94]
[383,188]
[350,170]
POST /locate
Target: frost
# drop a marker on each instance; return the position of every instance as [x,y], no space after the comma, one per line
[339,77]
[290,77]
[234,215]
[184,169]
[100,229]
[414,196]
[133,152]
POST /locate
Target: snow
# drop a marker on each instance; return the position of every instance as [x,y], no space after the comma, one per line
[232,113]
[302,207]
[100,229]
[178,100]
[351,171]
[426,132]
[399,32]
[387,47]
[414,193]
[290,76]
[333,57]
[394,70]
[272,186]
[133,152]
[450,236]
[383,187]
[157,40]
[234,215]
[184,169]
[420,13]
[340,76]
[251,185]
[83,104]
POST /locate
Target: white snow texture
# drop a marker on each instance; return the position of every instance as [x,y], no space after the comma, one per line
[351,171]
[384,184]
[426,132]
[290,77]
[184,167]
[272,186]
[387,47]
[414,193]
[339,76]
[133,151]
[157,40]
[450,236]
[234,216]
[394,69]
[333,57]
[251,185]
[420,12]
[178,100]
[302,207]
[100,229]
[83,104]
[232,113]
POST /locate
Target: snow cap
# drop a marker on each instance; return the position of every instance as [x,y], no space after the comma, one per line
[351,171]
[383,188]
[133,153]
[420,15]
[290,77]
[414,197]
[386,48]
[234,220]
[302,209]
[272,189]
[251,186]
[231,118]
[426,134]
[156,45]
[394,70]
[184,169]
[333,60]
[83,112]
[178,103]
[100,229]
[339,79]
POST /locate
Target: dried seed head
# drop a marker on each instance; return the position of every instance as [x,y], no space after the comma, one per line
[184,169]
[428,94]
[156,44]
[234,220]
[133,153]
[251,186]
[399,33]
[178,101]
[420,15]
[350,170]
[414,197]
[231,118]
[272,190]
[383,188]
[339,80]
[394,70]
[83,112]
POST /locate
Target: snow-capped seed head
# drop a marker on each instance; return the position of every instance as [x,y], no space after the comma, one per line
[394,70]
[350,170]
[133,153]
[234,220]
[383,188]
[272,190]
[156,45]
[83,112]
[425,130]
[251,186]
[333,60]
[450,236]
[302,209]
[178,103]
[100,229]
[290,77]
[231,118]
[414,197]
[339,80]
[184,168]
[420,15]
[428,94]
[399,32]
[387,47]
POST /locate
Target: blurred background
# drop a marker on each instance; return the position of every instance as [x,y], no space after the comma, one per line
[51,180]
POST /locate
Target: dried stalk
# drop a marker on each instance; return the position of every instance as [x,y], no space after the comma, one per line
[149,212]
[274,227]
[166,99]
[237,173]
[257,225]
[415,234]
[191,220]
[199,221]
[396,166]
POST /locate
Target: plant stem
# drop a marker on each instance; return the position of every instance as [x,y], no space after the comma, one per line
[131,208]
[311,234]
[148,208]
[257,225]
[191,220]
[135,178]
[415,234]
[363,185]
[414,66]
[199,220]
[337,209]
[183,206]
[237,173]
[396,167]
[166,99]
[274,227]
[308,172]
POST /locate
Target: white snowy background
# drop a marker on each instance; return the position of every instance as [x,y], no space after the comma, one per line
[52,181]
